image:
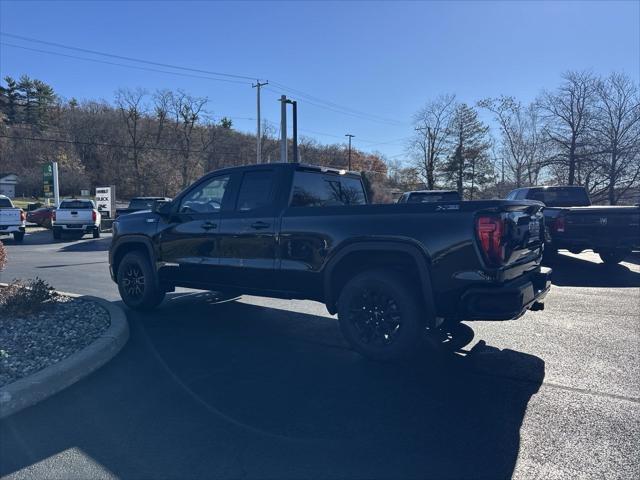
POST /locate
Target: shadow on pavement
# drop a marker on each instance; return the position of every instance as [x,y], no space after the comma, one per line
[91,245]
[576,272]
[226,390]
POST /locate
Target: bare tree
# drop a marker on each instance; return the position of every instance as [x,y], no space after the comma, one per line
[521,143]
[617,130]
[432,123]
[132,108]
[186,111]
[569,115]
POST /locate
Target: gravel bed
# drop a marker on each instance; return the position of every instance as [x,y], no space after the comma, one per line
[29,344]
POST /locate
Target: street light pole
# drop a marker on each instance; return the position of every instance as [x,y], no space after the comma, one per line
[258,132]
[350,137]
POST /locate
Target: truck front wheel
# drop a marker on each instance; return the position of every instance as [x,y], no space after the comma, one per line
[380,315]
[137,282]
[611,257]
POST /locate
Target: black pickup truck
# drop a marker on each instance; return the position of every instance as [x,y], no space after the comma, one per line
[391,272]
[572,223]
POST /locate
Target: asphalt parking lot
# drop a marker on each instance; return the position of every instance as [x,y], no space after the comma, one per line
[259,388]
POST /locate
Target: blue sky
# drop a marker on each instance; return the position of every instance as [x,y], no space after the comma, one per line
[382,58]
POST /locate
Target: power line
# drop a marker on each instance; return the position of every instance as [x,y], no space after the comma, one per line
[131,59]
[137,67]
[110,145]
[308,97]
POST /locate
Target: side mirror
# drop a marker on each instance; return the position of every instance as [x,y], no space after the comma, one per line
[162,207]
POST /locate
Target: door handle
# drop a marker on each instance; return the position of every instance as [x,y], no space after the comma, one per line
[259,225]
[209,225]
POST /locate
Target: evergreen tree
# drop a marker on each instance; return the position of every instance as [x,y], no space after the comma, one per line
[468,167]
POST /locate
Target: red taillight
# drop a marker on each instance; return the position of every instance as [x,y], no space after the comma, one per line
[94,215]
[490,231]
[23,216]
[559,224]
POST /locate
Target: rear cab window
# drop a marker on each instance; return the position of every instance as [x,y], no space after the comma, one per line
[311,189]
[5,203]
[76,205]
[560,196]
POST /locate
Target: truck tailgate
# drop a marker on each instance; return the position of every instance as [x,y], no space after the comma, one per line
[10,216]
[602,225]
[74,217]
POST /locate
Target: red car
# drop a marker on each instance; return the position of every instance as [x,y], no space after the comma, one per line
[41,216]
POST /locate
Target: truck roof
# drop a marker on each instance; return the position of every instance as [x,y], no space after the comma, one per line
[292,165]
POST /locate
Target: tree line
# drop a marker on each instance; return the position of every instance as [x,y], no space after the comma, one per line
[144,143]
[584,132]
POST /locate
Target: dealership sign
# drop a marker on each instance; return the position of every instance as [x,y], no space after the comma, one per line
[47,177]
[106,201]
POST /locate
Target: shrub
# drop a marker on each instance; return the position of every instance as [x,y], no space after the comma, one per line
[24,298]
[3,257]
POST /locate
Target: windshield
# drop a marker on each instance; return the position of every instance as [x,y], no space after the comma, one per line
[560,197]
[430,197]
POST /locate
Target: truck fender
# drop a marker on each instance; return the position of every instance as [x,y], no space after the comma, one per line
[128,240]
[393,245]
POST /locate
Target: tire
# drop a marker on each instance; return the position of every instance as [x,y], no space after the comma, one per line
[137,283]
[18,236]
[96,232]
[612,257]
[391,325]
[57,234]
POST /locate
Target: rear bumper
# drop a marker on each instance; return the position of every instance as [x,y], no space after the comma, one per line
[507,301]
[75,227]
[7,229]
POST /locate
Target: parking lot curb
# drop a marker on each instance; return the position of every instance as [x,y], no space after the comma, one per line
[41,385]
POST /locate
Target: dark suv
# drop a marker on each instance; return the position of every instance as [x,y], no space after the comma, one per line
[390,272]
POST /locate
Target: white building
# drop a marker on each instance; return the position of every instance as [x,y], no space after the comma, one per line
[8,184]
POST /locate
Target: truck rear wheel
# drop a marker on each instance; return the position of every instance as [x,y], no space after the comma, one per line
[380,315]
[611,257]
[18,236]
[137,282]
[96,232]
[57,234]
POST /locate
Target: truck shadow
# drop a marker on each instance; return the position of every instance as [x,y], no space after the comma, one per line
[224,390]
[577,272]
[90,245]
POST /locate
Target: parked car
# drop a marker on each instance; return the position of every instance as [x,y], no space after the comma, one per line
[299,231]
[138,204]
[429,196]
[76,216]
[41,216]
[576,225]
[12,219]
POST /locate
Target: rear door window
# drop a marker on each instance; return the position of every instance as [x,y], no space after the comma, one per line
[324,190]
[256,190]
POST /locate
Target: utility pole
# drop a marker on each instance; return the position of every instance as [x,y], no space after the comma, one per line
[258,134]
[350,137]
[283,128]
[295,129]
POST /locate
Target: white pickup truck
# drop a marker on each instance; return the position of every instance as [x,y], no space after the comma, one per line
[12,219]
[76,216]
